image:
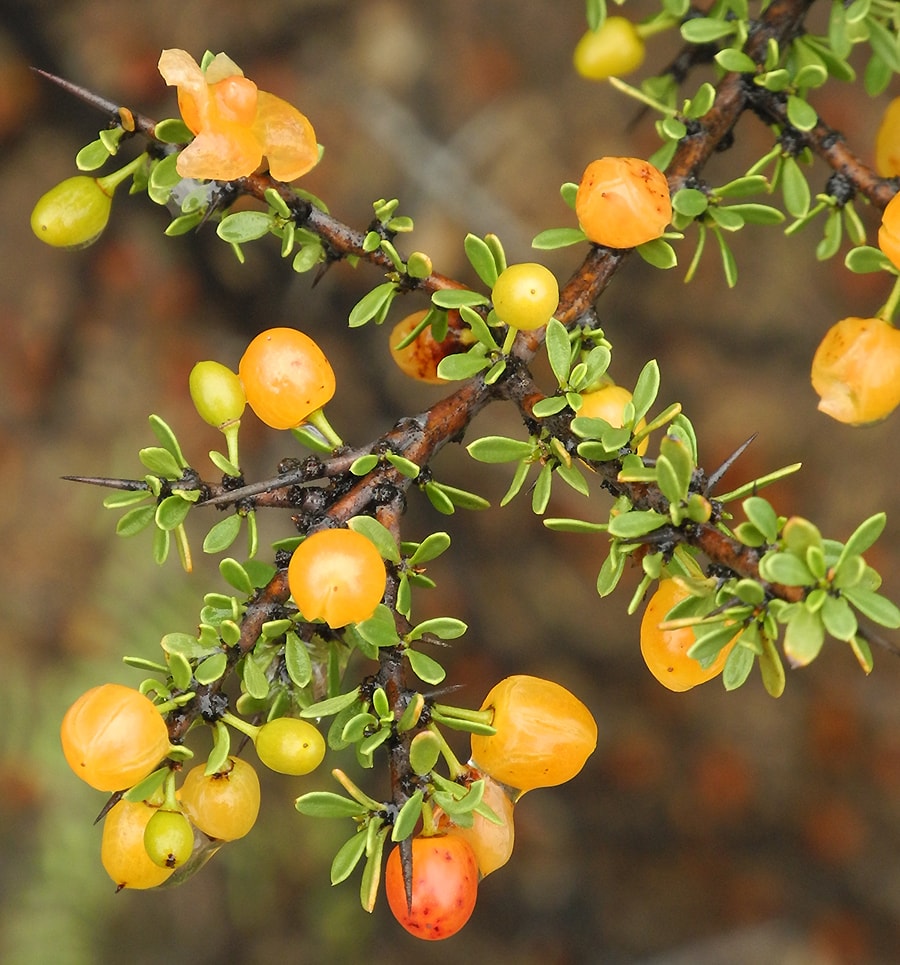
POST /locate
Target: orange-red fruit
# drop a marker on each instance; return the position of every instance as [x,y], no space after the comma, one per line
[122,850]
[113,737]
[421,357]
[856,370]
[337,575]
[622,202]
[666,651]
[889,232]
[887,142]
[544,734]
[286,377]
[444,886]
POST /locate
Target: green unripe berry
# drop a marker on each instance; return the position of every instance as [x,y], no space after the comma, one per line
[218,393]
[169,838]
[289,745]
[73,214]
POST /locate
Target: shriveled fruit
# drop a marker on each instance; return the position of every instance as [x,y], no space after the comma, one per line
[856,370]
[622,202]
[217,393]
[491,843]
[122,850]
[608,403]
[544,734]
[666,651]
[444,886]
[286,377]
[168,838]
[337,575]
[614,50]
[223,805]
[73,213]
[113,737]
[290,745]
[525,296]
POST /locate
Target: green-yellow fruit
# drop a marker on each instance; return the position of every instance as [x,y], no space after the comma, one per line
[73,214]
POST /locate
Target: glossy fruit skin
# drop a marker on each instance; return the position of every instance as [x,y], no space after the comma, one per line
[337,575]
[856,370]
[623,202]
[286,376]
[492,844]
[889,232]
[122,850]
[616,49]
[887,142]
[544,734]
[608,403]
[525,296]
[665,651]
[444,886]
[224,805]
[113,737]
[72,214]
[290,745]
[420,359]
[217,393]
[169,838]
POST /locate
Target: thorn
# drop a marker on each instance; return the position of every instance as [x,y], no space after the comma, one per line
[130,485]
[82,93]
[727,464]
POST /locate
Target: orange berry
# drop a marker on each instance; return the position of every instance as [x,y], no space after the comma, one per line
[122,850]
[856,370]
[337,575]
[222,805]
[887,142]
[113,737]
[544,734]
[444,886]
[608,403]
[622,202]
[889,232]
[666,651]
[421,357]
[286,377]
[491,843]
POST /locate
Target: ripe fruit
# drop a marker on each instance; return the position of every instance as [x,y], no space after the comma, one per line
[168,838]
[223,805]
[544,734]
[122,850]
[525,296]
[614,50]
[286,377]
[217,393]
[421,357]
[290,745]
[889,232]
[622,202]
[491,843]
[887,142]
[74,213]
[113,737]
[608,403]
[444,886]
[337,575]
[665,651]
[856,370]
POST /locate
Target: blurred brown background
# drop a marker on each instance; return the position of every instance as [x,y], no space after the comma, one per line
[707,828]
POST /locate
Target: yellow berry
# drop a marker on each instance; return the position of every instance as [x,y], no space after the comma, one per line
[614,50]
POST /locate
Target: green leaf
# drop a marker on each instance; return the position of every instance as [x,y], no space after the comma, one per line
[331,705]
[184,644]
[211,669]
[735,61]
[223,534]
[480,329]
[446,628]
[737,667]
[244,226]
[160,461]
[430,548]
[481,258]
[863,537]
[373,304]
[701,103]
[456,367]
[794,187]
[785,568]
[172,130]
[838,619]
[307,257]
[540,494]
[135,520]
[704,30]
[296,660]
[757,213]
[549,406]
[439,499]
[761,514]
[496,449]
[424,667]
[378,534]
[689,202]
[877,608]
[172,512]
[92,156]
[380,629]
[424,752]
[255,681]
[646,389]
[658,253]
[407,817]
[637,523]
[559,350]
[235,574]
[771,668]
[865,260]
[552,238]
[348,857]
[327,804]
[457,297]
[804,635]
[675,468]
